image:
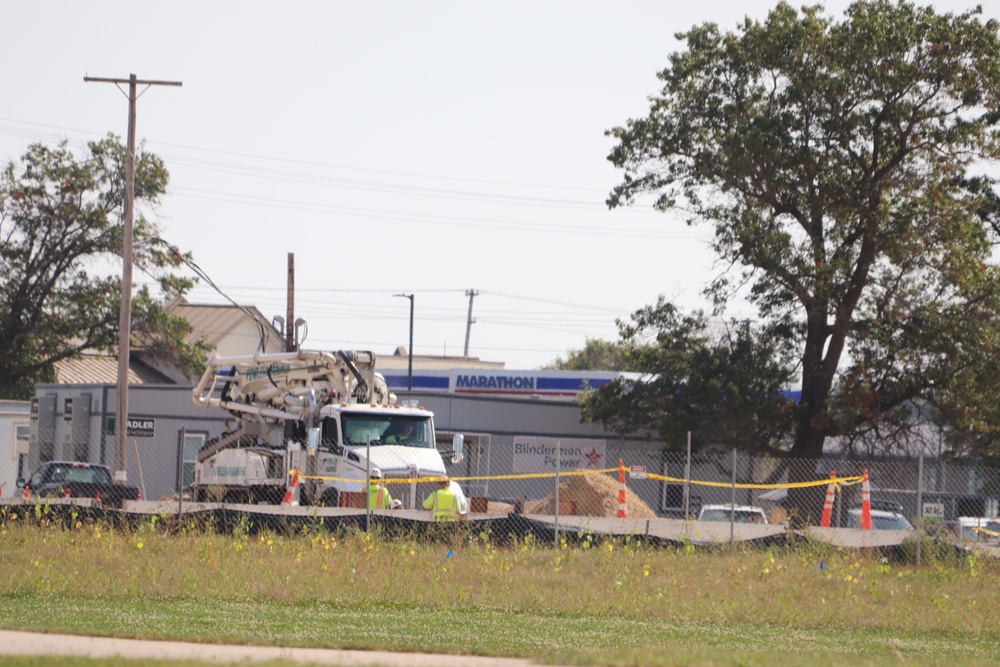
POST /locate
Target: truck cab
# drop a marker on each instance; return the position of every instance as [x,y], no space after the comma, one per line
[398,440]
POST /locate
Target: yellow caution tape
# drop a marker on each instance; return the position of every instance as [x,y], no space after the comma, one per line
[837,481]
[846,481]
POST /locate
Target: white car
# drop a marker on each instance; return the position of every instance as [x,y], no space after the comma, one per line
[881,520]
[737,514]
[977,529]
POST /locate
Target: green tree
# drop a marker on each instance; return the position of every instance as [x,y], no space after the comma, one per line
[727,386]
[837,164]
[596,355]
[60,224]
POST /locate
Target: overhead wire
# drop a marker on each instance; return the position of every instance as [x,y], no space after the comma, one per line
[25,129]
[263,328]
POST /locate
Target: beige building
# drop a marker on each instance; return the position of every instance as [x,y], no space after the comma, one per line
[231,330]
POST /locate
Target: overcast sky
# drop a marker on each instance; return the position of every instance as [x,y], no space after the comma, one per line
[426,148]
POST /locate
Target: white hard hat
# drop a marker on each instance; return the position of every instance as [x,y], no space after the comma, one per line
[397,504]
[376,473]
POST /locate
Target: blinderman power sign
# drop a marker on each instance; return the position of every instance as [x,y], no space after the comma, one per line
[533,453]
[139,428]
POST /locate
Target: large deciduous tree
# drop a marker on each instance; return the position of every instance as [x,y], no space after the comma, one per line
[60,290]
[837,162]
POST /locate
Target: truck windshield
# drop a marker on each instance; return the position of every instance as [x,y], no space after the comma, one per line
[78,473]
[387,430]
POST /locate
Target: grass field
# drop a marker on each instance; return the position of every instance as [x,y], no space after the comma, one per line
[599,602]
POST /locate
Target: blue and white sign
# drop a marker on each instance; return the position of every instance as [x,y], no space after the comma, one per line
[533,453]
[495,382]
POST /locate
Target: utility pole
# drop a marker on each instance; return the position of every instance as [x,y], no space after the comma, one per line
[472,294]
[409,350]
[125,324]
[290,342]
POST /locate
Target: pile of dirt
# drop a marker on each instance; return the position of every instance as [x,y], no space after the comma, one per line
[594,495]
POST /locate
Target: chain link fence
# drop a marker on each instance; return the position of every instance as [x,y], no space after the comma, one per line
[958,498]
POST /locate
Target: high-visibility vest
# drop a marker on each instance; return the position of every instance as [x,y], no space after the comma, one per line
[444,503]
[378,497]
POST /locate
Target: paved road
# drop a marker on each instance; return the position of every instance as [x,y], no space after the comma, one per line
[29,643]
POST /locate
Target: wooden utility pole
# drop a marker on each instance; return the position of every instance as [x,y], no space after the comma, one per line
[472,293]
[125,323]
[291,345]
[409,350]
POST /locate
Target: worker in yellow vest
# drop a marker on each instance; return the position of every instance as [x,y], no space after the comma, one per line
[443,502]
[378,495]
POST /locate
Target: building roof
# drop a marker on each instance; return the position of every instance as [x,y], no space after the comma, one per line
[95,368]
[216,322]
[400,360]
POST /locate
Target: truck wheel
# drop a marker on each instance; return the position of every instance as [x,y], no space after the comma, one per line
[237,497]
[330,498]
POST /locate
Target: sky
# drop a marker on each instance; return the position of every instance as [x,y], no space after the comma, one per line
[432,148]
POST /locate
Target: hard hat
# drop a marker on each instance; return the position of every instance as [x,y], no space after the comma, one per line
[397,504]
[376,473]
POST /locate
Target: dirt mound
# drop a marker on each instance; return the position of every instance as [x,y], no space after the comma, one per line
[594,495]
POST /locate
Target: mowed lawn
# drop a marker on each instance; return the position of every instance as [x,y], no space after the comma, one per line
[585,601]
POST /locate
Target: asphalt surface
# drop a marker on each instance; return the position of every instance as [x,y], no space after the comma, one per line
[30,643]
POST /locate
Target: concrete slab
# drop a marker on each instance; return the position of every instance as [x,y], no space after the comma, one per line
[854,538]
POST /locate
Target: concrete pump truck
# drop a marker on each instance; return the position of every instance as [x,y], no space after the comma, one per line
[327,413]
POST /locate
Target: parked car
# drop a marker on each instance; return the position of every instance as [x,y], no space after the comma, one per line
[737,514]
[881,520]
[977,529]
[72,479]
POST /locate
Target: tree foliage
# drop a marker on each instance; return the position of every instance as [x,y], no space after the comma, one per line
[727,386]
[596,355]
[60,291]
[837,162]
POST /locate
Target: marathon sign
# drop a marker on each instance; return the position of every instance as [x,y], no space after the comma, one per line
[495,383]
[534,453]
[139,428]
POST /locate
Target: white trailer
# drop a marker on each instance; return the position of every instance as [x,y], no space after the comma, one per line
[15,431]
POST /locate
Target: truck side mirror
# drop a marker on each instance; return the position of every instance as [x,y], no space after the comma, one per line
[313,441]
[456,446]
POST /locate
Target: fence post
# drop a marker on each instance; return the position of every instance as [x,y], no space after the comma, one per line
[732,510]
[180,470]
[368,485]
[920,501]
[622,509]
[687,482]
[558,457]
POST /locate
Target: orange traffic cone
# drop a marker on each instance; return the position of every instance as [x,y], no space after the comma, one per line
[289,498]
[866,503]
[26,496]
[831,490]
[622,509]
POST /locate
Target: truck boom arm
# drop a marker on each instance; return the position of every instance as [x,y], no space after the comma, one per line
[290,385]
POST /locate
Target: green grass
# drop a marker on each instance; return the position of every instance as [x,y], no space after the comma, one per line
[603,603]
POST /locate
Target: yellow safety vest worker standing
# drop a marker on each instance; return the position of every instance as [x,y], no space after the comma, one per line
[443,503]
[378,495]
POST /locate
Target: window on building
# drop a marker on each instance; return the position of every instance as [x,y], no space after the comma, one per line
[192,443]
